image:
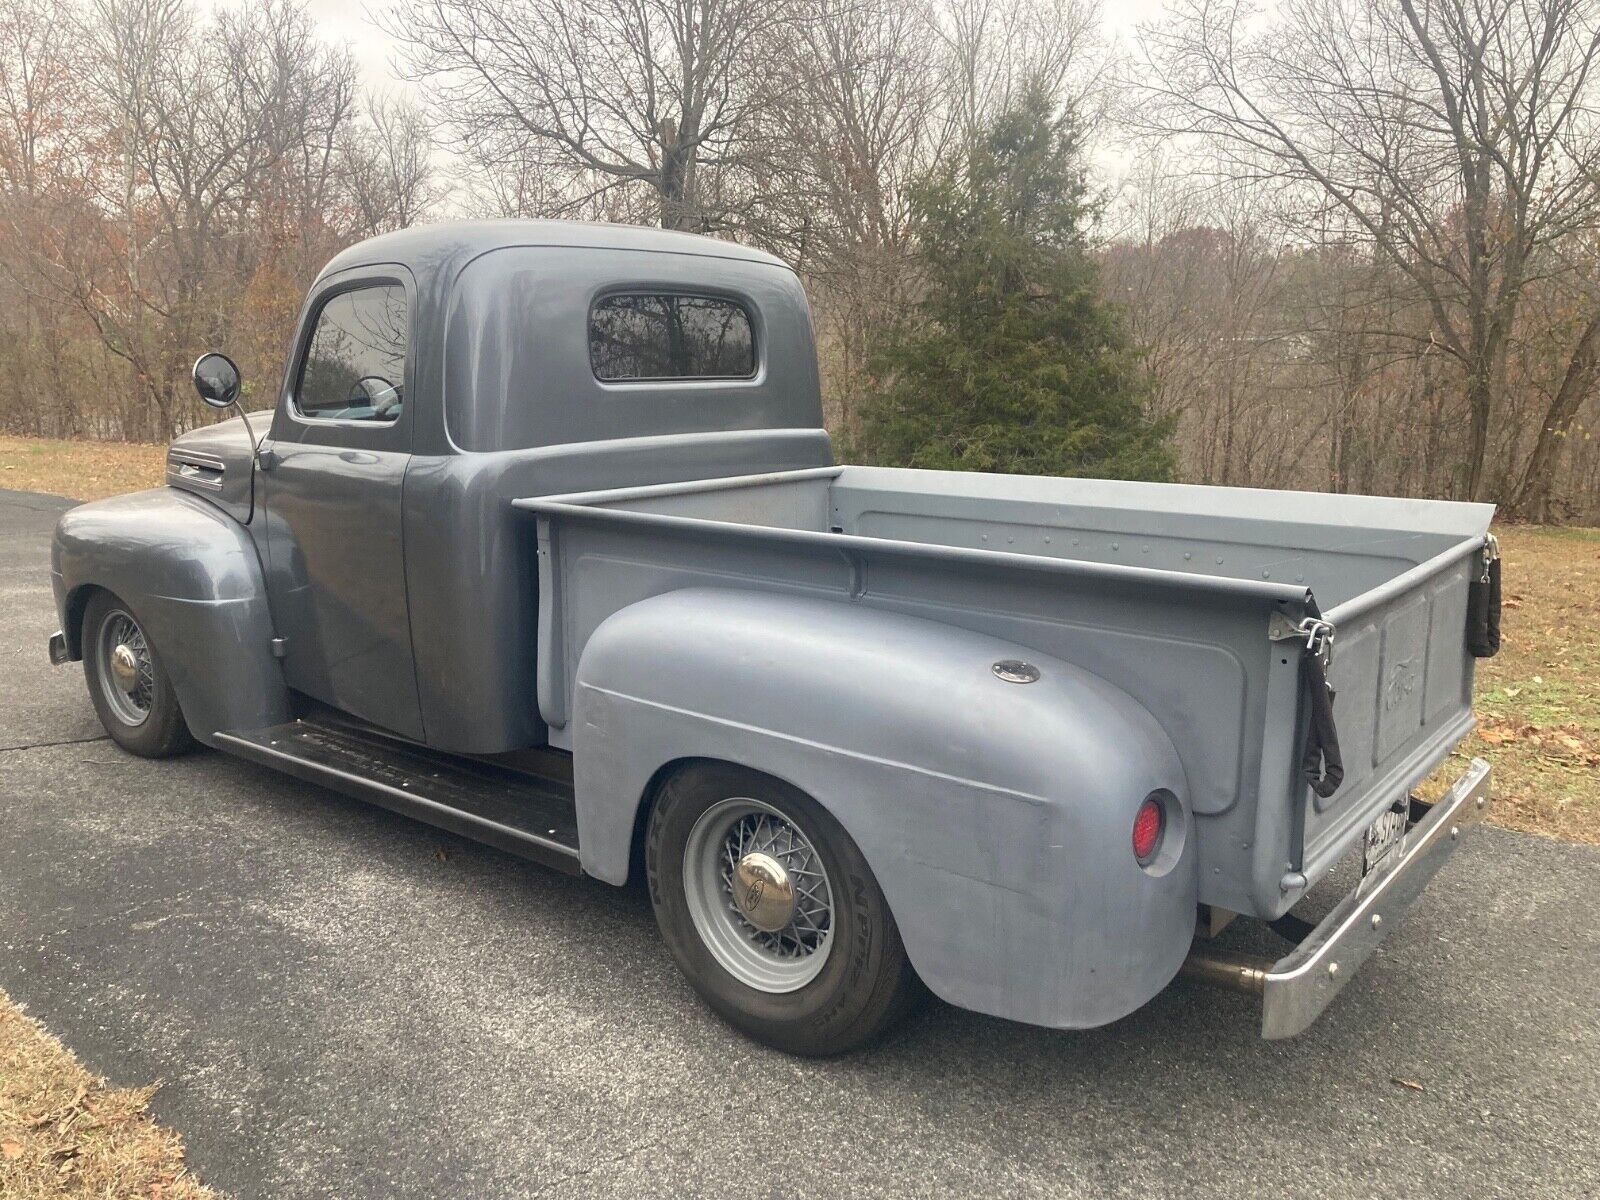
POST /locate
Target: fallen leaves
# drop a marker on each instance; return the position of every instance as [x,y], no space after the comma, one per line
[1564,742]
[85,470]
[1538,701]
[66,1134]
[1409,1084]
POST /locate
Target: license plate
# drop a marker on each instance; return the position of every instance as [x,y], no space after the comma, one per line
[1385,837]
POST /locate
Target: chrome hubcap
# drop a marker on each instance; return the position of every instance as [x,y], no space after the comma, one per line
[127,674]
[763,892]
[759,895]
[125,666]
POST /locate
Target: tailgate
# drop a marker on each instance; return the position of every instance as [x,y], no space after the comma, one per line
[1402,674]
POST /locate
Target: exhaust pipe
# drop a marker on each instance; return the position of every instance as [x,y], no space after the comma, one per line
[1231,972]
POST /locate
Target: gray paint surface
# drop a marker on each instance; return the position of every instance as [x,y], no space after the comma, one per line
[192,577]
[516,350]
[335,1010]
[1001,841]
[1166,592]
[334,553]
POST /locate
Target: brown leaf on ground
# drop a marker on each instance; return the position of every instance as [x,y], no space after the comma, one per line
[1410,1084]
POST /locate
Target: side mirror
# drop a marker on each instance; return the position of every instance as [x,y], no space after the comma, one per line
[217,380]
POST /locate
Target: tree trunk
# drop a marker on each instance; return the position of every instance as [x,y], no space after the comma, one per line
[1480,404]
[677,209]
[1538,479]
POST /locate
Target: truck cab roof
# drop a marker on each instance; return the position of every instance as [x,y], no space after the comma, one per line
[443,243]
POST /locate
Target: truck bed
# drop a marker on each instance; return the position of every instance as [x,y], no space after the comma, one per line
[1171,592]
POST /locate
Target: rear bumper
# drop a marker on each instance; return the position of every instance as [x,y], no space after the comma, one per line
[1294,990]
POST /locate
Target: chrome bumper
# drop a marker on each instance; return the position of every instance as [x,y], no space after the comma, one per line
[58,648]
[1295,989]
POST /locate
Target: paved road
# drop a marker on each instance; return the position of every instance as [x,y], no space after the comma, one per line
[346,1003]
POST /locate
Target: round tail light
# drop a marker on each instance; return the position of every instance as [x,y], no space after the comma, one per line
[1148,825]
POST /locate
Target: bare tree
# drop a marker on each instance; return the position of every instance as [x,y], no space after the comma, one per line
[651,96]
[204,128]
[995,48]
[868,115]
[1457,137]
[388,165]
[42,147]
[40,93]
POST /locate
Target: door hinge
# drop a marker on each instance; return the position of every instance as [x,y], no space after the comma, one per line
[280,647]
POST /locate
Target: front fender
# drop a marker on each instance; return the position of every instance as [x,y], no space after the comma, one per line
[191,575]
[996,817]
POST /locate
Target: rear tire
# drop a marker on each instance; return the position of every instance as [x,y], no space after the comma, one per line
[130,689]
[834,975]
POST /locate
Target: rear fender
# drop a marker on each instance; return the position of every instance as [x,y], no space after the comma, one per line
[996,816]
[191,575]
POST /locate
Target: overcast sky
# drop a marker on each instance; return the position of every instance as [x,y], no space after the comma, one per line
[349,22]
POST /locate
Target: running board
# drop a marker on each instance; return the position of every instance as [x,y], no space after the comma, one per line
[520,813]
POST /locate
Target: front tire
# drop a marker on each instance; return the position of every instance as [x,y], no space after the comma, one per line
[130,689]
[772,913]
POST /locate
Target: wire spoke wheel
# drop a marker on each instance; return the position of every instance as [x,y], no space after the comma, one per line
[759,895]
[125,668]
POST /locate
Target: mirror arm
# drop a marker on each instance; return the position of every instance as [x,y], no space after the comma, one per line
[255,442]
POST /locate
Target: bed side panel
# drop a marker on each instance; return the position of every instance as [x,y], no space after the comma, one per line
[1166,647]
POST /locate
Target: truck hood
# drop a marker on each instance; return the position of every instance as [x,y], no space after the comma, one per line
[217,462]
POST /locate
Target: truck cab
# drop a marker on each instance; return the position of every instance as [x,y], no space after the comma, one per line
[543,541]
[425,391]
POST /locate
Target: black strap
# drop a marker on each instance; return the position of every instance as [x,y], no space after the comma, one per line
[1483,611]
[1322,764]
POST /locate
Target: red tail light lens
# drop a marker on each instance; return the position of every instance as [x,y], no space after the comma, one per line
[1148,824]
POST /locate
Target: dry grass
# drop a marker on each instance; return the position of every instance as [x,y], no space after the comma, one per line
[86,470]
[1539,699]
[65,1133]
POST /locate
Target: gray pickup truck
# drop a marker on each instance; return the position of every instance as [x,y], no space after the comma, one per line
[544,543]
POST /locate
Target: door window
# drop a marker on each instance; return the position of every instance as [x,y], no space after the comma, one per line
[355,364]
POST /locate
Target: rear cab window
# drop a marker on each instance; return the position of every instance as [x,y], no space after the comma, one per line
[639,336]
[355,362]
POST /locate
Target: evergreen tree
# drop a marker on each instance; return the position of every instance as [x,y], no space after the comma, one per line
[1014,364]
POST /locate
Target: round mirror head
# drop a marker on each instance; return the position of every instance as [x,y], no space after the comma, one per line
[217,380]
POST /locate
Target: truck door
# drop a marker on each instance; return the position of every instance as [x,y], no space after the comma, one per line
[331,485]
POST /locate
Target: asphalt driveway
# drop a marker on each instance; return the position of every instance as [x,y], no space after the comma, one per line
[346,1003]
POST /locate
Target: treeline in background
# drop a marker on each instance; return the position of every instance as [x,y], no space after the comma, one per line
[1343,245]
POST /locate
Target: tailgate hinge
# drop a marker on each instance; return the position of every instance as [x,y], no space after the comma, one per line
[1316,633]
